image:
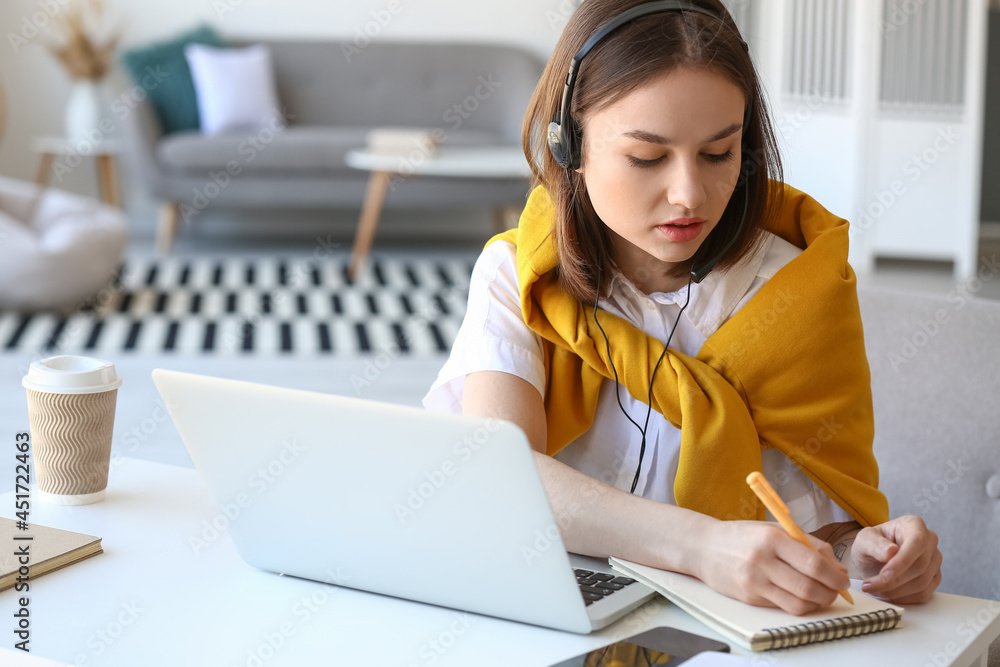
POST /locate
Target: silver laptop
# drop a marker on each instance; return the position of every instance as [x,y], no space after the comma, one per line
[442,509]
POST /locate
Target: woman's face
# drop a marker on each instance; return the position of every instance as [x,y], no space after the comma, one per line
[660,165]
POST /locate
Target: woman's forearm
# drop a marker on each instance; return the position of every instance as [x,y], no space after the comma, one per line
[596,519]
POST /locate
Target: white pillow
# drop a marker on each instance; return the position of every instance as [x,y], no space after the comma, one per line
[235,88]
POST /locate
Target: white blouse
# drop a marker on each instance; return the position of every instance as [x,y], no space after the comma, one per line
[494,337]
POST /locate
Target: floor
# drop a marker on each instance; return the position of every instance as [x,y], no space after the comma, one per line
[143,429]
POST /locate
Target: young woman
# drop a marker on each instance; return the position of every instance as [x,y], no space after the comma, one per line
[669,317]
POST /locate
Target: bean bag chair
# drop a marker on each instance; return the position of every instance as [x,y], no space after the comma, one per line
[57,249]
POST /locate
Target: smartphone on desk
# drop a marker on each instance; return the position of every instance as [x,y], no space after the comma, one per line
[659,646]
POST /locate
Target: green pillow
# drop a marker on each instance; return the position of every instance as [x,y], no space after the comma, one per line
[162,70]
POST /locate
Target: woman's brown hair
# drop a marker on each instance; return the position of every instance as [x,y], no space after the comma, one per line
[622,62]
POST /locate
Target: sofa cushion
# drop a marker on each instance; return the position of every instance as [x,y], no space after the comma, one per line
[294,148]
[235,87]
[162,71]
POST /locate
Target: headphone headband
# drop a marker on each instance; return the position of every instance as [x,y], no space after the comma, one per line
[563,132]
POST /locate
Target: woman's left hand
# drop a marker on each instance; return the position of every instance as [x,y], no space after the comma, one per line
[899,560]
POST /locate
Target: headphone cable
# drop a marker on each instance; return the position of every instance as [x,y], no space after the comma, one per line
[649,397]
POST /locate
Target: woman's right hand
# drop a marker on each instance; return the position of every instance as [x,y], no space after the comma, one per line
[758,563]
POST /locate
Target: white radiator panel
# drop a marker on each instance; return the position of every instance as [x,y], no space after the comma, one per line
[923,59]
[879,104]
[922,185]
[818,49]
[809,136]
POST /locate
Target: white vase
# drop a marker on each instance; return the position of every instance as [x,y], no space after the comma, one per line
[83,112]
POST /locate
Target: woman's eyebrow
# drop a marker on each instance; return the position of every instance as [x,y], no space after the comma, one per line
[652,138]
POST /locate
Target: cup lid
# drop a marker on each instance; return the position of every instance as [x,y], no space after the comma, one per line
[70,374]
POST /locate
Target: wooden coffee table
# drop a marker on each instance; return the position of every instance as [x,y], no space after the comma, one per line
[506,162]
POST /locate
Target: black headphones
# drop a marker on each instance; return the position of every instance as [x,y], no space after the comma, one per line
[564,132]
[564,144]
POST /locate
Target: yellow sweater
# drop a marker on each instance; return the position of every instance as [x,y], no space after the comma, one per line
[788,370]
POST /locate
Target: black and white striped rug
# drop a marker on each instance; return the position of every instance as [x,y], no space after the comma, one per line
[410,305]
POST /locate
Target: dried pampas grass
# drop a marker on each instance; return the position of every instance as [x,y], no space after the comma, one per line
[85,47]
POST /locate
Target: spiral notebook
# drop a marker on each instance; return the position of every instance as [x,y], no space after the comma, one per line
[762,628]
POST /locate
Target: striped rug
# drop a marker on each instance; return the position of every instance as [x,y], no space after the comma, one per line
[257,306]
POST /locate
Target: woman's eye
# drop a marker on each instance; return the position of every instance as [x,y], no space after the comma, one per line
[719,157]
[637,162]
[715,158]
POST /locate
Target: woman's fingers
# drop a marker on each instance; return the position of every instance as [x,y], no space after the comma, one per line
[906,571]
[820,566]
[800,580]
[760,564]
[916,586]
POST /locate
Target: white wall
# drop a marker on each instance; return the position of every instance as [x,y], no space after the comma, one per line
[37,87]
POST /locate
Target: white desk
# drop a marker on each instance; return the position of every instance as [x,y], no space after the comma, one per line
[151,599]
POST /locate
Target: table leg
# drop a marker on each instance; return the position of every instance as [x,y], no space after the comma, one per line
[378,183]
[108,180]
[167,228]
[44,170]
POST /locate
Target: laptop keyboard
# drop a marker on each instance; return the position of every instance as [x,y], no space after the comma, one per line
[598,585]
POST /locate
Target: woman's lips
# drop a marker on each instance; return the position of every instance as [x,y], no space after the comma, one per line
[683,230]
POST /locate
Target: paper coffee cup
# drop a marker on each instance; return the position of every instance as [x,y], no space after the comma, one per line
[71,412]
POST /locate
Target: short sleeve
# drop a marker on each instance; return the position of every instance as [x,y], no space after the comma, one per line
[493,335]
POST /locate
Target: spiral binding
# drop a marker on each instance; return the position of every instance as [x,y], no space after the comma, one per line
[821,631]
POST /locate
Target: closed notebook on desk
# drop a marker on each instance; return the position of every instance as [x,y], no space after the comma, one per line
[48,549]
[763,628]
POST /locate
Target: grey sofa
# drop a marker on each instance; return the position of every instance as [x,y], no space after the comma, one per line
[935,364]
[476,94]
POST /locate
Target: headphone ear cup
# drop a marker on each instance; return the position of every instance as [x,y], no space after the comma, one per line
[573,137]
[558,144]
